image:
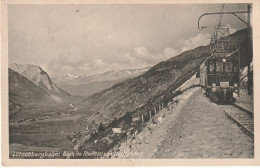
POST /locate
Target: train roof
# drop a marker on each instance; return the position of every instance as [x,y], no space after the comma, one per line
[222,55]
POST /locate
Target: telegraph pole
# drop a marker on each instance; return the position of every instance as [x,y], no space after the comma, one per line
[250,57]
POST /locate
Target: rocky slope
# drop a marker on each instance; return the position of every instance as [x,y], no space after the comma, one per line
[159,81]
[23,87]
[133,93]
[116,106]
[39,77]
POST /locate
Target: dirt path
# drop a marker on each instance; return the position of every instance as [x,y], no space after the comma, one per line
[193,128]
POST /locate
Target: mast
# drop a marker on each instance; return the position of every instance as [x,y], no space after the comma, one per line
[250,54]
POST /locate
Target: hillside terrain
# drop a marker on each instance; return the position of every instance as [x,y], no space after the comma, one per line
[86,124]
[165,76]
[131,98]
[23,87]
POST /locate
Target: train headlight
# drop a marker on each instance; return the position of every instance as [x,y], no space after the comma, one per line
[224,60]
[213,84]
[235,84]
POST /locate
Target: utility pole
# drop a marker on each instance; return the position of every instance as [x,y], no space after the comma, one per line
[250,57]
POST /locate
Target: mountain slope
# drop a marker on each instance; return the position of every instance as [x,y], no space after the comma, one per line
[131,94]
[37,76]
[22,87]
[118,105]
[156,85]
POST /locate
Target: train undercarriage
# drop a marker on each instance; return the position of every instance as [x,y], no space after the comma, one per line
[220,96]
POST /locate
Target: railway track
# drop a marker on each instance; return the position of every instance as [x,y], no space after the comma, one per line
[242,117]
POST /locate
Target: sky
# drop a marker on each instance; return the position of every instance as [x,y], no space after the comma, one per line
[89,39]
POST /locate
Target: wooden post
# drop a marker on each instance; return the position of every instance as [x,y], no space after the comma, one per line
[142,118]
[126,140]
[150,114]
[162,105]
[154,110]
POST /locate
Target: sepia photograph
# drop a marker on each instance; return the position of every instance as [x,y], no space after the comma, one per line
[130,81]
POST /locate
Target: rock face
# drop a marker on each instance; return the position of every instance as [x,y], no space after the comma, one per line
[37,76]
[23,87]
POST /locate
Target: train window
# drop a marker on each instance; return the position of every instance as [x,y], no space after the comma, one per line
[228,66]
[219,66]
[211,67]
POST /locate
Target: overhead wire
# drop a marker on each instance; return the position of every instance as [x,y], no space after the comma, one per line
[220,18]
[221,15]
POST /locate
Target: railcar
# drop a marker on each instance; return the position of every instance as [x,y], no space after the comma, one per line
[219,76]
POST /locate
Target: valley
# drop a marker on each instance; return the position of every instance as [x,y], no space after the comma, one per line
[78,114]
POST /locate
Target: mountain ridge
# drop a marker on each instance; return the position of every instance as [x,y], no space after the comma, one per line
[38,76]
[111,75]
[86,85]
[22,87]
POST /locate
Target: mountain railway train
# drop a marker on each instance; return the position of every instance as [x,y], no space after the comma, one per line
[219,76]
[220,73]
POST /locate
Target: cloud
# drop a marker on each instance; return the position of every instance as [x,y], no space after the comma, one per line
[170,52]
[98,63]
[94,65]
[200,39]
[142,35]
[141,52]
[67,68]
[75,62]
[231,30]
[141,56]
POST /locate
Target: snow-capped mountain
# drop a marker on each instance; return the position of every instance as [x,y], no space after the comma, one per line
[107,76]
[86,85]
[60,80]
